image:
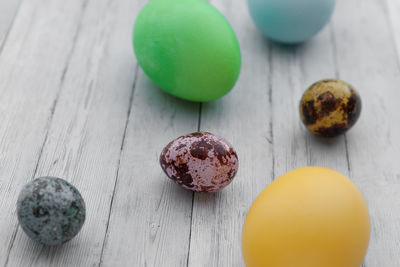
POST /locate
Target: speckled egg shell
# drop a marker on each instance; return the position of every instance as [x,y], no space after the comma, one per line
[201,162]
[330,107]
[50,210]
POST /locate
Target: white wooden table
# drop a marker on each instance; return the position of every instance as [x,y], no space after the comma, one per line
[75,104]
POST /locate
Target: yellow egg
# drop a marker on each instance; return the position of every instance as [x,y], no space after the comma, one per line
[309,217]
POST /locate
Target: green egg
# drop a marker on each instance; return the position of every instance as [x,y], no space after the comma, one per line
[187,48]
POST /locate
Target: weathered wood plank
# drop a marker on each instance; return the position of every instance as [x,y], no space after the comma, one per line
[294,69]
[66,75]
[8,12]
[243,117]
[366,58]
[31,72]
[150,219]
[87,129]
[393,13]
[283,72]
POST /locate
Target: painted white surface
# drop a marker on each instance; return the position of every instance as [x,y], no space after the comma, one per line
[74,104]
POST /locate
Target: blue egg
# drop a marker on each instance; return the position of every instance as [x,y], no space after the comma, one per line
[50,210]
[291,21]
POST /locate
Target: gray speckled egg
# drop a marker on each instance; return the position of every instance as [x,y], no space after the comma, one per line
[50,210]
[200,162]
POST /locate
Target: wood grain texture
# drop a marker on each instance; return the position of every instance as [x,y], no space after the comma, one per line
[150,219]
[392,13]
[8,12]
[244,118]
[268,93]
[86,130]
[366,58]
[31,74]
[74,104]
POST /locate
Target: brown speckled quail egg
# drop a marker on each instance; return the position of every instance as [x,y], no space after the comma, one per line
[200,162]
[330,107]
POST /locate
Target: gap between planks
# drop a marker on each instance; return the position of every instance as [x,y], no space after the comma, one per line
[193,196]
[10,27]
[119,162]
[50,119]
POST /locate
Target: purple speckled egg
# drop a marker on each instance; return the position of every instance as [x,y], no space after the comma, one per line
[201,162]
